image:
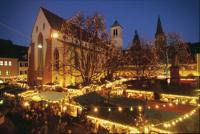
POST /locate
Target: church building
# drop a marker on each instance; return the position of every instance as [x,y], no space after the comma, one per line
[44,50]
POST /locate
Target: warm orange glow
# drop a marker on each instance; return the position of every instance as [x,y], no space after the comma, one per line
[26,104]
[95,109]
[54,35]
[64,108]
[156,106]
[119,109]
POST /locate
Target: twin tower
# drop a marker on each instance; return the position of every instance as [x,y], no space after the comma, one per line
[116,34]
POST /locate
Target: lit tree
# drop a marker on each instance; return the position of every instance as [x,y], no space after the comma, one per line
[173,50]
[86,54]
[143,58]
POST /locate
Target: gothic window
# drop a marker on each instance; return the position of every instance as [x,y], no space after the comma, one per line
[56,59]
[116,32]
[40,54]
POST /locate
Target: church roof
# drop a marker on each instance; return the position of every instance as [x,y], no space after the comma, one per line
[54,20]
[10,50]
[116,23]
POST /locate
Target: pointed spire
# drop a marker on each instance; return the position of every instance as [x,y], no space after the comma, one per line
[116,23]
[136,40]
[159,29]
[136,37]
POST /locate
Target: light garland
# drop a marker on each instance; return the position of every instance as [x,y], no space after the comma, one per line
[9,95]
[118,125]
[173,122]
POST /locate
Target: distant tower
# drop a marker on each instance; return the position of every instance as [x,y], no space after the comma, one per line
[160,38]
[136,40]
[116,34]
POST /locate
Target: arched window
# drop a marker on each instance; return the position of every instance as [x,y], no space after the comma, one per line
[116,32]
[56,59]
[40,54]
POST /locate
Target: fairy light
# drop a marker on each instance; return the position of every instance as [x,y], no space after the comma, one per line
[140,108]
[173,122]
[131,109]
[95,109]
[119,109]
[109,109]
[170,104]
[26,104]
[164,105]
[156,106]
[149,107]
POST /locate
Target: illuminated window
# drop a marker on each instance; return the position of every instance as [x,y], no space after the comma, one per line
[5,63]
[9,63]
[7,72]
[1,63]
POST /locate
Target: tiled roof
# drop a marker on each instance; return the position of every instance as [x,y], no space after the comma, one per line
[10,50]
[54,20]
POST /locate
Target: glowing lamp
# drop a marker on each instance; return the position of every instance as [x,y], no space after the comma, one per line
[131,109]
[64,108]
[95,109]
[54,35]
[119,109]
[26,104]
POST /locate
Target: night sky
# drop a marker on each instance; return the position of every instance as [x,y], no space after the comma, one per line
[17,17]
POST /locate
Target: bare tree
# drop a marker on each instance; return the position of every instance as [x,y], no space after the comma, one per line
[85,55]
[172,51]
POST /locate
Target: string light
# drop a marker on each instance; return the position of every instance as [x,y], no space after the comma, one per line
[95,109]
[109,109]
[164,105]
[140,108]
[156,106]
[173,122]
[170,104]
[119,109]
[131,109]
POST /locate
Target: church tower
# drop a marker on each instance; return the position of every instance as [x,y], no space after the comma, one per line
[160,38]
[116,34]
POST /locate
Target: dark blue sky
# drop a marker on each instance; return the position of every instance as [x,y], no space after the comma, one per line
[181,16]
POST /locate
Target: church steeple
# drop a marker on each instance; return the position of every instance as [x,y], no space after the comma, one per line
[159,29]
[136,39]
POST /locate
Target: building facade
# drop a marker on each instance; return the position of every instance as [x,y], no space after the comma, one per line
[46,53]
[10,58]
